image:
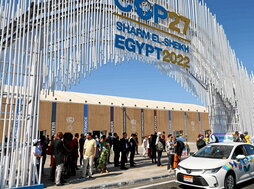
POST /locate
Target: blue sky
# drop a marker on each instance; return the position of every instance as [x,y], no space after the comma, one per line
[140,80]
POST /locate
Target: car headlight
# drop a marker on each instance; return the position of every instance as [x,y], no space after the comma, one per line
[211,171]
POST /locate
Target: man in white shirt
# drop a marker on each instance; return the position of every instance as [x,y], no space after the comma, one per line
[89,154]
[212,138]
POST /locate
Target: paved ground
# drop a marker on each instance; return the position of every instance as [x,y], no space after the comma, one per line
[144,175]
[169,183]
[143,171]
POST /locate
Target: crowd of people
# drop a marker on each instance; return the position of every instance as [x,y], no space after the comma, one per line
[66,149]
[211,138]
[156,143]
[92,152]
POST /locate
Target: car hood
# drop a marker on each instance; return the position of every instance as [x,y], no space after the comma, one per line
[202,163]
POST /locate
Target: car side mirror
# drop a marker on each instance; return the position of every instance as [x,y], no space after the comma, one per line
[239,157]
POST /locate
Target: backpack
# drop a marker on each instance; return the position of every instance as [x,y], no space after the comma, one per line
[200,143]
[179,148]
[182,145]
[159,146]
[216,139]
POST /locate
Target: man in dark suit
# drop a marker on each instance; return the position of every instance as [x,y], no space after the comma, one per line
[133,145]
[116,148]
[124,146]
[152,145]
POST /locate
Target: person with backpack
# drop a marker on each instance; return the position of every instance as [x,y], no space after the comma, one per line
[212,137]
[200,142]
[179,146]
[159,148]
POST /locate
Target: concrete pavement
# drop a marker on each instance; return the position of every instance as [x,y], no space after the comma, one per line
[144,171]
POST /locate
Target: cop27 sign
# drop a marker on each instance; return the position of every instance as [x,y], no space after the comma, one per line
[168,44]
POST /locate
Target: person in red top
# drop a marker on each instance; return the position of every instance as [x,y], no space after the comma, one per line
[75,150]
[73,146]
[52,159]
[163,136]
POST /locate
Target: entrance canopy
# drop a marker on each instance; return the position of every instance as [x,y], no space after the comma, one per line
[49,44]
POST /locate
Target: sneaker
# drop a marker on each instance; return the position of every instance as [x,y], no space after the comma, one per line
[60,184]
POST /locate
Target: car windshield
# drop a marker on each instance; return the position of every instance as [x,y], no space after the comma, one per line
[214,151]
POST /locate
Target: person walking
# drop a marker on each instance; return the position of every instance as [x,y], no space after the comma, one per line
[200,142]
[124,146]
[81,148]
[133,146]
[170,149]
[116,149]
[58,153]
[159,148]
[89,154]
[103,159]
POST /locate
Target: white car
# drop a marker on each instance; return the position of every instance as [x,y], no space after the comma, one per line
[219,165]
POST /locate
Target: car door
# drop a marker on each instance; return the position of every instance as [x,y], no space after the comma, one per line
[250,153]
[240,172]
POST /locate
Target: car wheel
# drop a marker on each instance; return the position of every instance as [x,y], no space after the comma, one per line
[229,182]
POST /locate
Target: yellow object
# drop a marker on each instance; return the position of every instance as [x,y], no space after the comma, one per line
[151,27]
[206,139]
[247,138]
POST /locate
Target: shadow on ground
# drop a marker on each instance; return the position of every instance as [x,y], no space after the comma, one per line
[113,171]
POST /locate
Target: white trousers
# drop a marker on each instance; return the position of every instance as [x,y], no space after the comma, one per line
[59,169]
[88,160]
[144,151]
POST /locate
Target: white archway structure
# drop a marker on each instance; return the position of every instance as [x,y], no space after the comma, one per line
[50,44]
